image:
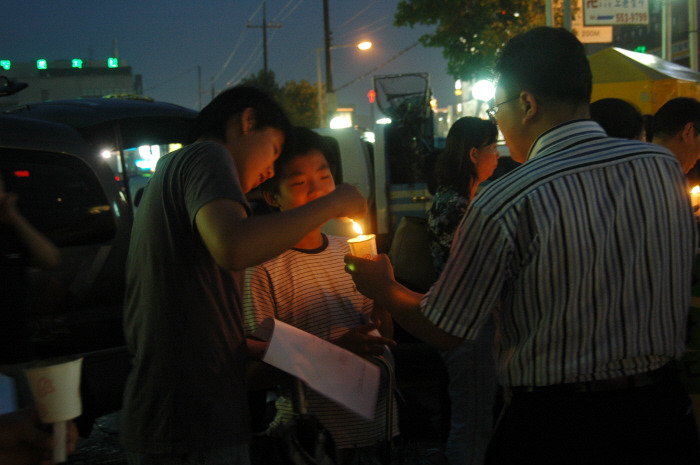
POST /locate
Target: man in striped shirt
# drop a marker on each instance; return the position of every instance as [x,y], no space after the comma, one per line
[584,253]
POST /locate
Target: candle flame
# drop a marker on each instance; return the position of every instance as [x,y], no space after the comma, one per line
[695,190]
[358,228]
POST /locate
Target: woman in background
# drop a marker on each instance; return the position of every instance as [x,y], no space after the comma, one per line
[469,158]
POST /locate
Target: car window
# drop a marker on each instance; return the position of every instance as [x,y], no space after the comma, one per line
[60,195]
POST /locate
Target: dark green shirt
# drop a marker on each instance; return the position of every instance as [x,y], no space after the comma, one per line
[182,316]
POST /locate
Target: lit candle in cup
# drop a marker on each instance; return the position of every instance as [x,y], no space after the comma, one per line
[695,197]
[364,245]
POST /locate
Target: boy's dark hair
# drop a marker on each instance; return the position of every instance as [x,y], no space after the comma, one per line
[618,117]
[549,62]
[674,115]
[213,119]
[299,141]
[454,168]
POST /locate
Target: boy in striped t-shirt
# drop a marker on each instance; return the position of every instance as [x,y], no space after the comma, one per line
[307,288]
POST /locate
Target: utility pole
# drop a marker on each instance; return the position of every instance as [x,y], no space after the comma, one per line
[327,37]
[265,26]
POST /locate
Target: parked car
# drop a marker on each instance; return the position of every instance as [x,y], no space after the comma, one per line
[73,164]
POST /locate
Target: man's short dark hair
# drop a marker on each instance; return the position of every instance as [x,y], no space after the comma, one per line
[549,62]
[299,141]
[618,117]
[213,119]
[674,115]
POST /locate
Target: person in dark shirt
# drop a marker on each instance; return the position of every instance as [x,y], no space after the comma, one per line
[21,246]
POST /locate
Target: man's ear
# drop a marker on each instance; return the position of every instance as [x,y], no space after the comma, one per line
[529,104]
[271,199]
[688,132]
[247,120]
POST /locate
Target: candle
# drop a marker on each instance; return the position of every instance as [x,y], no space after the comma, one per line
[364,245]
[695,197]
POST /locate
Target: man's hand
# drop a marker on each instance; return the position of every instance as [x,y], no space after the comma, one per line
[373,278]
[25,441]
[350,201]
[360,342]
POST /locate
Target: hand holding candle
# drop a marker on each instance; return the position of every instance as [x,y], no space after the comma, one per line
[364,245]
[56,391]
[695,197]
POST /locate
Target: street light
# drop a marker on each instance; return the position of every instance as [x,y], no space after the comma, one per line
[362,46]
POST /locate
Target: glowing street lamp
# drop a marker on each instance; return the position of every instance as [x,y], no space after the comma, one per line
[361,46]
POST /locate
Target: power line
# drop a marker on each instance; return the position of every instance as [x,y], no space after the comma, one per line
[378,67]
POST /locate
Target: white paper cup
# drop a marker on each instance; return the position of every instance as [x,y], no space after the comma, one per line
[56,389]
[363,246]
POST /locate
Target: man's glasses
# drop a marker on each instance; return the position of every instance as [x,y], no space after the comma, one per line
[494,109]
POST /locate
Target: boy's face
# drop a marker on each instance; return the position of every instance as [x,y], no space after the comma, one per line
[254,153]
[305,178]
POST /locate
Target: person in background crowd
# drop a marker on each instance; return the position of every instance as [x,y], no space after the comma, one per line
[585,253]
[676,126]
[469,158]
[186,400]
[618,118]
[306,288]
[22,246]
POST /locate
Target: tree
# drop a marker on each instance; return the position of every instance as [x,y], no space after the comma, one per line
[471,32]
[301,103]
[263,81]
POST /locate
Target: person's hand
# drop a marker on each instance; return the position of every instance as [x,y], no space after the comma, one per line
[351,203]
[24,440]
[372,277]
[8,206]
[359,341]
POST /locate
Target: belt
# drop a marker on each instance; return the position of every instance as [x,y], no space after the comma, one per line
[649,378]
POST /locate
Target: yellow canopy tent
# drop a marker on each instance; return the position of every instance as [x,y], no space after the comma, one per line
[644,80]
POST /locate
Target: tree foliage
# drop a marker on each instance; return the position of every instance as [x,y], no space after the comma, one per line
[299,100]
[471,32]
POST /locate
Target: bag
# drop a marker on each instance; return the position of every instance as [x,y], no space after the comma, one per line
[410,254]
[303,440]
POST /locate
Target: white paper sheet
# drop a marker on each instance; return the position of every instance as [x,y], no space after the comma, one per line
[327,368]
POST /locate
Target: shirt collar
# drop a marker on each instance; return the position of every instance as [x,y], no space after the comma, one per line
[565,133]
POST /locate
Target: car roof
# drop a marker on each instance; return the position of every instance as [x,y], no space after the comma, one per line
[84,112]
[30,134]
[141,122]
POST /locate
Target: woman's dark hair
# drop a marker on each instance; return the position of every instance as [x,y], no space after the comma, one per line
[618,117]
[454,168]
[213,119]
[299,141]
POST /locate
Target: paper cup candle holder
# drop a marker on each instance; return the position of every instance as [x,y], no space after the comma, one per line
[55,386]
[364,245]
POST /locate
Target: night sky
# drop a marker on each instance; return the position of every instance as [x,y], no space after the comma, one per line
[166,42]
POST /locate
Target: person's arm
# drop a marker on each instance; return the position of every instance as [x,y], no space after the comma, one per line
[42,251]
[382,318]
[375,279]
[237,241]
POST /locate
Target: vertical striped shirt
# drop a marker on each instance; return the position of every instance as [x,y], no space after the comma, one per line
[585,251]
[310,290]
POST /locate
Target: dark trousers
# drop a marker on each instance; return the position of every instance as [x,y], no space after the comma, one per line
[644,425]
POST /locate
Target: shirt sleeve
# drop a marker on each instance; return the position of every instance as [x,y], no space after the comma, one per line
[470,286]
[258,299]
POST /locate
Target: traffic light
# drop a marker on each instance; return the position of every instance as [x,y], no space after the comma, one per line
[641,49]
[41,64]
[112,62]
[5,64]
[76,63]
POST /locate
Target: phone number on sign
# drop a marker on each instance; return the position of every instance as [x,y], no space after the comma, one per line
[622,18]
